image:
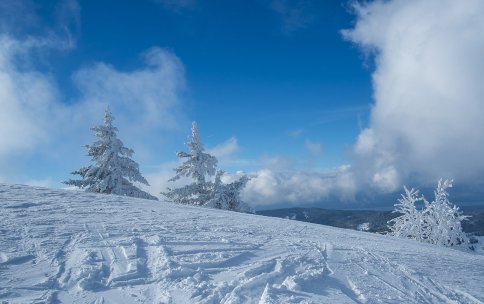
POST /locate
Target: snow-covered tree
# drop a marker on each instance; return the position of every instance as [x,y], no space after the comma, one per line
[410,223]
[438,223]
[113,171]
[443,219]
[227,196]
[198,165]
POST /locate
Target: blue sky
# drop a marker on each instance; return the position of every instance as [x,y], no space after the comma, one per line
[321,102]
[248,73]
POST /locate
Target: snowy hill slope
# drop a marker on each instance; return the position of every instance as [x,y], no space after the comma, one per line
[74,247]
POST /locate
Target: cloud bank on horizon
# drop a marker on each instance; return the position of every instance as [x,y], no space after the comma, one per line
[426,121]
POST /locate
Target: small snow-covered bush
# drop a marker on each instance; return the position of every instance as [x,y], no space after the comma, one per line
[443,219]
[363,227]
[410,223]
[439,222]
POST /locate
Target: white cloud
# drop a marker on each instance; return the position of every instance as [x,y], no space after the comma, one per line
[386,179]
[314,148]
[38,124]
[28,100]
[227,156]
[144,97]
[276,184]
[159,180]
[35,120]
[365,145]
[268,187]
[427,118]
[144,101]
[225,149]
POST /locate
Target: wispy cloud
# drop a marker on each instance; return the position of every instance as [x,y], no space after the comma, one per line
[225,149]
[29,100]
[68,15]
[19,19]
[342,113]
[177,5]
[145,98]
[37,123]
[314,148]
[295,133]
[295,15]
[10,16]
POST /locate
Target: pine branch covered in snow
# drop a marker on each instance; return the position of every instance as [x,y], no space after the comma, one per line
[410,223]
[201,167]
[444,219]
[227,196]
[113,171]
[197,165]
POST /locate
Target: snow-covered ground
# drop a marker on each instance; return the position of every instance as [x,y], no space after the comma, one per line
[75,247]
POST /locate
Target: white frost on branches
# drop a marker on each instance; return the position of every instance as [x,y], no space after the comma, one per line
[201,167]
[410,224]
[444,220]
[438,223]
[227,196]
[113,171]
[198,165]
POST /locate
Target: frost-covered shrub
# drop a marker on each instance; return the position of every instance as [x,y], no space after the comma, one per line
[443,219]
[410,223]
[439,222]
[363,227]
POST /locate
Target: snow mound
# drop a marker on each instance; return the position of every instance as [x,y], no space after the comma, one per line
[75,247]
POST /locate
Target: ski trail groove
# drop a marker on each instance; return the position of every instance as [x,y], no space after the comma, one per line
[74,247]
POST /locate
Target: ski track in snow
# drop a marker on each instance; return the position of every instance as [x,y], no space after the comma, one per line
[74,247]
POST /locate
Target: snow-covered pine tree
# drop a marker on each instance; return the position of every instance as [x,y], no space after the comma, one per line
[197,165]
[443,221]
[227,196]
[113,170]
[410,223]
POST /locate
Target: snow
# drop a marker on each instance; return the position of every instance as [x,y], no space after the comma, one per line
[114,170]
[75,247]
[197,165]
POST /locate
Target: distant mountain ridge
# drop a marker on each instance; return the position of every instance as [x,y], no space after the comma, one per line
[367,220]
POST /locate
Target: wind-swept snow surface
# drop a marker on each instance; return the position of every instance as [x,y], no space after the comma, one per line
[75,247]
